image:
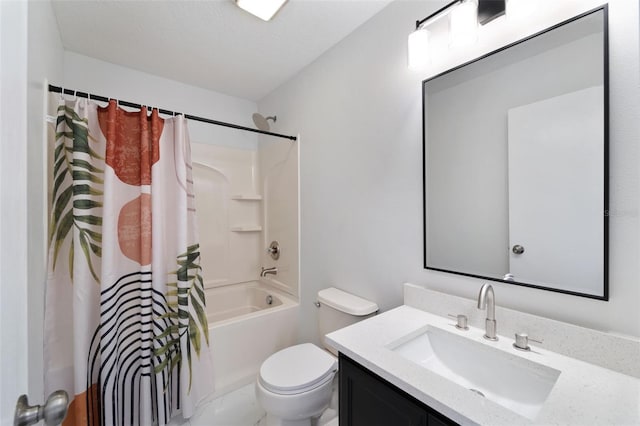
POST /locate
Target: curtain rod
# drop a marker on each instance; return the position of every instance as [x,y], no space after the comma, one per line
[57,89]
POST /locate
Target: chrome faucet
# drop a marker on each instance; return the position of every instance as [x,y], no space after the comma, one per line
[487,300]
[268,271]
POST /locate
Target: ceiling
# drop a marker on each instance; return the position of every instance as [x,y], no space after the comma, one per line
[211,44]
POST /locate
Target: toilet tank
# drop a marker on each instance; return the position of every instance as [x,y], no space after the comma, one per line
[339,309]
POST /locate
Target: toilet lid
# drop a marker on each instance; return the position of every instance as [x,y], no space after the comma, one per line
[297,369]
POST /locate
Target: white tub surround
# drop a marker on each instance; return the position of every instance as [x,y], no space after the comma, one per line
[244,330]
[278,165]
[246,198]
[584,394]
[238,301]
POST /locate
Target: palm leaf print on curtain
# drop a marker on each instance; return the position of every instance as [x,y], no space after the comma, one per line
[125,323]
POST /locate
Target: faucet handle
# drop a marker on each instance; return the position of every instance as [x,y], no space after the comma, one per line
[522,342]
[274,250]
[461,321]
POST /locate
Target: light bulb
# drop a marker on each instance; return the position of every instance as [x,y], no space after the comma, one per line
[463,23]
[522,9]
[418,44]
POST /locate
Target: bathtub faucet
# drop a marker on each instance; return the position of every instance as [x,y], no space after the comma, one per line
[268,271]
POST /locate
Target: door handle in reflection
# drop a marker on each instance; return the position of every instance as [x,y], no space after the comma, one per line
[517,249]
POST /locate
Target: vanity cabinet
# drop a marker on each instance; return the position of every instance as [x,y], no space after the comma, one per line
[366,399]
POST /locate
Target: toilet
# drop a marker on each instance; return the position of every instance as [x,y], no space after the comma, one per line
[295,384]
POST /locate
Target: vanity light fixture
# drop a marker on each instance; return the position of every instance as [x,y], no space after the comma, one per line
[418,45]
[464,18]
[263,9]
[463,23]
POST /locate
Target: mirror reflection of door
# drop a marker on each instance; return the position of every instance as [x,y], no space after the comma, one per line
[515,151]
[556,185]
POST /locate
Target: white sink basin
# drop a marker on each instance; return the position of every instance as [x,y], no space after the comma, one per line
[517,384]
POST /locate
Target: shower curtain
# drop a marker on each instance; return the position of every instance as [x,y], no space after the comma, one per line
[125,325]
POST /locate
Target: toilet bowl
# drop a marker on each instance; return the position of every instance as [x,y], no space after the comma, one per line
[295,385]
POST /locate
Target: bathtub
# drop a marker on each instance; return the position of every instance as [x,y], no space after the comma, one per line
[247,323]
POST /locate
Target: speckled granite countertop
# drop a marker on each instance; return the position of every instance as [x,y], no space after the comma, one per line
[584,394]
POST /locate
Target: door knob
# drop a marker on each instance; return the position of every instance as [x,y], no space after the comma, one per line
[52,412]
[517,249]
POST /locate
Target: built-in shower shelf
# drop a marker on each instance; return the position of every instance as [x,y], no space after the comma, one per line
[246,228]
[246,197]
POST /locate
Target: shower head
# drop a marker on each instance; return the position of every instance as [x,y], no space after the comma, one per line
[261,122]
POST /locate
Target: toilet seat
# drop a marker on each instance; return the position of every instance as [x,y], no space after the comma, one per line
[297,369]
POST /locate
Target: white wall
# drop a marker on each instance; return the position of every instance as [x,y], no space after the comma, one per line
[105,79]
[359,111]
[46,57]
[13,207]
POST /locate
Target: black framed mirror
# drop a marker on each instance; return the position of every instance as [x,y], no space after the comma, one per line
[515,162]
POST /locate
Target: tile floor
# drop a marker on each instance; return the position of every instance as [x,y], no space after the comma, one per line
[240,408]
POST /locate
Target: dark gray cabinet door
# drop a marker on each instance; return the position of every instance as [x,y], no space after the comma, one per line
[368,400]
